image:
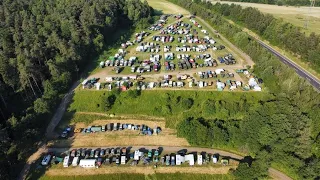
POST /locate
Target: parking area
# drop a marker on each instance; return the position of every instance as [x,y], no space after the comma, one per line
[125,137]
[176,46]
[145,160]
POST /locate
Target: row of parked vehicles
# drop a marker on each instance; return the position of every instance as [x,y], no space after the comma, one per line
[212,74]
[120,156]
[144,129]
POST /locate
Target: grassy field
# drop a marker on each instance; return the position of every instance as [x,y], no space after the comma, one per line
[293,15]
[167,104]
[176,176]
[165,7]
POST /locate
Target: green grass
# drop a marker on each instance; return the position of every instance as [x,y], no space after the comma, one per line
[283,168]
[162,103]
[175,176]
[293,15]
[299,20]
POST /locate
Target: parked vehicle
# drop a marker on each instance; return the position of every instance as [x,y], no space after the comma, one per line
[83,153]
[167,160]
[97,153]
[102,152]
[92,153]
[99,162]
[112,151]
[173,160]
[78,153]
[149,153]
[73,153]
[46,159]
[107,151]
[107,160]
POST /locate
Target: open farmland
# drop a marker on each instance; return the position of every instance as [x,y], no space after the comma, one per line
[290,14]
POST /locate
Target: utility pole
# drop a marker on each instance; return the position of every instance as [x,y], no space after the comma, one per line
[306,23]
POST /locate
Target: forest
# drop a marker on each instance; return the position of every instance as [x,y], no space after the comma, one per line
[44,46]
[280,2]
[283,132]
[277,32]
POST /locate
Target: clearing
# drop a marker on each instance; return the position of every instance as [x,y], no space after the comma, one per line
[290,14]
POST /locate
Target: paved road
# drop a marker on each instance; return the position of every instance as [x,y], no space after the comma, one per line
[303,73]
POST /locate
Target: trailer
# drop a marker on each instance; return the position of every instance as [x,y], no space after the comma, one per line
[87,163]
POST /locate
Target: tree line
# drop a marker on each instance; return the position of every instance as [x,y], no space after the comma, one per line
[280,2]
[44,45]
[277,32]
[283,130]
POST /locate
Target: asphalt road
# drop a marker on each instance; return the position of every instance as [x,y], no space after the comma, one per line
[301,72]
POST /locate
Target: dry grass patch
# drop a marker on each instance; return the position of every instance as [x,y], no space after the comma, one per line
[138,170]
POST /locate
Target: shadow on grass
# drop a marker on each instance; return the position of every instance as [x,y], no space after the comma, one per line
[157,12]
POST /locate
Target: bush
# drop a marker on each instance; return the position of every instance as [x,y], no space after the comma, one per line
[187,103]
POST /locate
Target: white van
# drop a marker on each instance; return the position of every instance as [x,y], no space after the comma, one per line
[75,161]
[45,161]
[66,161]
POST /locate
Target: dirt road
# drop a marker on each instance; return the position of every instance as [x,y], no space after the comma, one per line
[35,156]
[60,111]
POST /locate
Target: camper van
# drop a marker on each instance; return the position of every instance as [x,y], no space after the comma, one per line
[66,161]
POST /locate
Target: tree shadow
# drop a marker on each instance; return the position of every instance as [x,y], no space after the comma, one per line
[157,12]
